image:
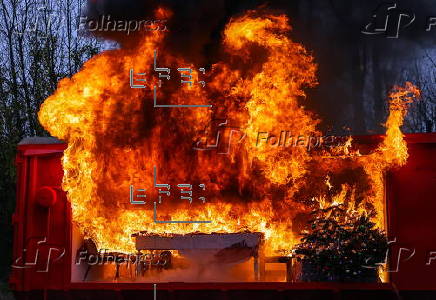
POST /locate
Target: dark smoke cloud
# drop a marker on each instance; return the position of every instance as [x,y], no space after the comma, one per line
[194,28]
[331,29]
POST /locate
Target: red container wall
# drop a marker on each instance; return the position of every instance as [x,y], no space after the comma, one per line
[411,205]
[42,219]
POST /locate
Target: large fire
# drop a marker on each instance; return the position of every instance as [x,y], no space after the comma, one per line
[115,138]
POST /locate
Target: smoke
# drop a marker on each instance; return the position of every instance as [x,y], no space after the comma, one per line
[194,28]
[331,29]
[198,269]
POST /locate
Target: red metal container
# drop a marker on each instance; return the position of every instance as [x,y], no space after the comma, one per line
[43,237]
[42,218]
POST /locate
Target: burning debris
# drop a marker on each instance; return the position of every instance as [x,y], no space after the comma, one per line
[116,137]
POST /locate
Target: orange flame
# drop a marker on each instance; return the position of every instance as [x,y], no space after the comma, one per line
[115,137]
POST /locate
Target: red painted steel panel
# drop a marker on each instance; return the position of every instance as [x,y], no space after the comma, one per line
[41,239]
[411,194]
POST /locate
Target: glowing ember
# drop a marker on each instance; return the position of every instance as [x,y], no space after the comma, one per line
[115,137]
